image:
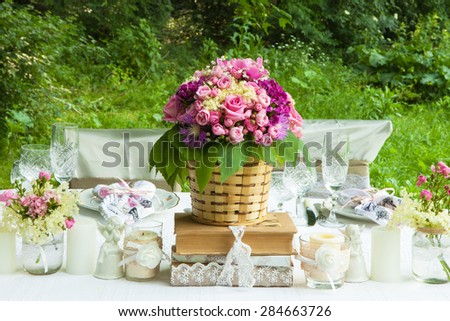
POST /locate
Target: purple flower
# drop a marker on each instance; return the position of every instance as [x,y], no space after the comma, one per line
[193,136]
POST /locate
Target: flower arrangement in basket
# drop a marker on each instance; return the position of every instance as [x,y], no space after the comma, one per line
[428,213]
[41,213]
[231,122]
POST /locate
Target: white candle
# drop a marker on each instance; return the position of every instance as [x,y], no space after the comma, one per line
[134,271]
[82,247]
[7,252]
[316,240]
[385,254]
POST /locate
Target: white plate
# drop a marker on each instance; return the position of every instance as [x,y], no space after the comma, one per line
[350,213]
[167,199]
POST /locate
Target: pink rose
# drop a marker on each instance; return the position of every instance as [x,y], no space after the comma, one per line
[274,132]
[214,80]
[203,92]
[171,110]
[420,180]
[236,135]
[426,194]
[253,84]
[295,122]
[217,71]
[254,73]
[202,117]
[44,176]
[264,99]
[7,196]
[261,118]
[198,105]
[267,140]
[258,136]
[214,116]
[433,169]
[218,129]
[258,107]
[214,92]
[224,82]
[234,107]
[228,122]
[250,125]
[70,222]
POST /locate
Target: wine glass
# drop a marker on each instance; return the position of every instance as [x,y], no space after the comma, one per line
[278,190]
[299,179]
[34,158]
[64,150]
[334,172]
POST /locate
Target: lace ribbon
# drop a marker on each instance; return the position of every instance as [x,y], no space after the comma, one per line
[238,261]
[147,255]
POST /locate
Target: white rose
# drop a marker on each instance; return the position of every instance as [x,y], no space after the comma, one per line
[149,255]
[328,258]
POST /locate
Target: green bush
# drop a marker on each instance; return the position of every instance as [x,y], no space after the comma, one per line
[419,60]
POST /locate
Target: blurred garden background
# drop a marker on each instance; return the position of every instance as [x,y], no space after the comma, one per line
[114,64]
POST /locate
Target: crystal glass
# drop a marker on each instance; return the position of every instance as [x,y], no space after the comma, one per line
[64,150]
[299,179]
[334,172]
[15,173]
[34,158]
[278,190]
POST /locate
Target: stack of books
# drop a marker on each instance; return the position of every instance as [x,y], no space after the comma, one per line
[200,251]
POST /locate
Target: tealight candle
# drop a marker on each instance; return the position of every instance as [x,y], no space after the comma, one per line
[385,254]
[333,259]
[7,252]
[82,247]
[142,251]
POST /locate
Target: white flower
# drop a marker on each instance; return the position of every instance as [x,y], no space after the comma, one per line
[327,258]
[149,255]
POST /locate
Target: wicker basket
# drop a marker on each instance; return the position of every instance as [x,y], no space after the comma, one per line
[240,200]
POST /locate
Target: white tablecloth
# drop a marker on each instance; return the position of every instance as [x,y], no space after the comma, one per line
[63,286]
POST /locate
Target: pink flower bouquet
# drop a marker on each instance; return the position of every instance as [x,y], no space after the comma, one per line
[39,214]
[225,116]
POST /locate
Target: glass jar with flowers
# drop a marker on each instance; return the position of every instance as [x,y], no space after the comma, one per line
[428,214]
[231,124]
[40,216]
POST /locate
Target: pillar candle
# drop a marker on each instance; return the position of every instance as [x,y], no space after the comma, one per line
[7,252]
[385,254]
[82,247]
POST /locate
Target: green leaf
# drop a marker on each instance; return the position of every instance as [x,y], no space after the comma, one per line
[231,161]
[376,60]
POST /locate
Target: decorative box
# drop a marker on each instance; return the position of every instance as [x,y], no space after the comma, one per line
[274,236]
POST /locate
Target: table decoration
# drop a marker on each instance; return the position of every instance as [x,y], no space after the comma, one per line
[109,265]
[34,158]
[82,247]
[64,150]
[231,121]
[428,214]
[41,216]
[142,250]
[7,247]
[324,259]
[385,256]
[357,271]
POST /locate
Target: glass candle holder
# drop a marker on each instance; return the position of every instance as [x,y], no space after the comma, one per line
[143,250]
[324,258]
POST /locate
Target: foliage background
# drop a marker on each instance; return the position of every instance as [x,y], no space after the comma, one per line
[114,64]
